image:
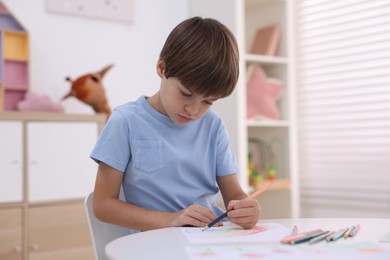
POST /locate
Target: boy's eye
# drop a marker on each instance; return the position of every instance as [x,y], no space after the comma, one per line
[208,102]
[185,94]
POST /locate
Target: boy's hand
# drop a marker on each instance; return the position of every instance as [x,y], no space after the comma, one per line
[194,215]
[245,213]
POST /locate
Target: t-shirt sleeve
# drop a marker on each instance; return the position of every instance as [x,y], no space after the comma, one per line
[226,159]
[113,146]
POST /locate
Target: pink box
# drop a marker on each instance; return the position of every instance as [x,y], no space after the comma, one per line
[11,99]
[16,75]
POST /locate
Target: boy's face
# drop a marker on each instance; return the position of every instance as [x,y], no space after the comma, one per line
[177,102]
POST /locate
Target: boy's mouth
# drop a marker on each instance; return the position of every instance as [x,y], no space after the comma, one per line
[184,118]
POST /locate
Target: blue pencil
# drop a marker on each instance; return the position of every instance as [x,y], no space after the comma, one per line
[339,234]
[215,221]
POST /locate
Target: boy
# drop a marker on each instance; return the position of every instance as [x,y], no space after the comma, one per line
[170,151]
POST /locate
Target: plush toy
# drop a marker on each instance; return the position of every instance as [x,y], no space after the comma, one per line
[42,103]
[89,89]
[262,94]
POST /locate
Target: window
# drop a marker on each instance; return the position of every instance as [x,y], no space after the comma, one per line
[343,72]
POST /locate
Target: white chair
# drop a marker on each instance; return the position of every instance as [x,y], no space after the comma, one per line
[101,233]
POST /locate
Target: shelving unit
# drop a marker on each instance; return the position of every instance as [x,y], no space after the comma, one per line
[43,183]
[14,61]
[244,17]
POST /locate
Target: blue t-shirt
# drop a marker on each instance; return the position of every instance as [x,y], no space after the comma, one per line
[167,167]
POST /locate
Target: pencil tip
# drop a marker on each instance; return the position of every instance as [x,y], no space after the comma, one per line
[205,228]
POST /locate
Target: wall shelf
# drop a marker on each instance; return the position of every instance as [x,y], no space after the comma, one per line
[14,61]
[280,184]
[265,59]
[267,123]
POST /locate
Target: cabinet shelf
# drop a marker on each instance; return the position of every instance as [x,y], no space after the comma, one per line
[14,60]
[262,59]
[15,88]
[29,205]
[277,184]
[267,123]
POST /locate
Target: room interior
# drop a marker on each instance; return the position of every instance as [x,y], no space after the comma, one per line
[341,171]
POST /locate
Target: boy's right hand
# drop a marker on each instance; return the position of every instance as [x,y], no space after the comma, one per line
[195,215]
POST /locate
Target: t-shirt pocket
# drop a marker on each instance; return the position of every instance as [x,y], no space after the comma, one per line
[148,155]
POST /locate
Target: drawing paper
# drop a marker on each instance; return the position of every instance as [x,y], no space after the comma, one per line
[231,233]
[322,251]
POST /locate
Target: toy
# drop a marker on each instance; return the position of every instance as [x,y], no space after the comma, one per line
[89,89]
[261,161]
[262,94]
[35,102]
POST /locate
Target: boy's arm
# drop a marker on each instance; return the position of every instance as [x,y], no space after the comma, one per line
[108,208]
[230,188]
[242,211]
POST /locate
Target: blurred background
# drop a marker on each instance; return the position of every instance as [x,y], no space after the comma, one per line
[311,110]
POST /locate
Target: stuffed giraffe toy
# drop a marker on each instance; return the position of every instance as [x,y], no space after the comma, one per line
[89,89]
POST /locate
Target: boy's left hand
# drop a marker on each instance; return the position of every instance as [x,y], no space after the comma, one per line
[245,213]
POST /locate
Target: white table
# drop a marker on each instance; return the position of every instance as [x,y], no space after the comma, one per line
[170,243]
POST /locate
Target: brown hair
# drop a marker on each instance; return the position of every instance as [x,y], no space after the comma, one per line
[203,55]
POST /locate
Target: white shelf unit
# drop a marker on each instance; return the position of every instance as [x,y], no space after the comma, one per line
[244,17]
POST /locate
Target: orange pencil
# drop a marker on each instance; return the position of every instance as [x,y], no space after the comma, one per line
[259,191]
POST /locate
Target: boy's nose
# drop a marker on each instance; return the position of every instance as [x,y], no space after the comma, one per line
[192,108]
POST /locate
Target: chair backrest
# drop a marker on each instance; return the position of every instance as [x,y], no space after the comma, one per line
[101,233]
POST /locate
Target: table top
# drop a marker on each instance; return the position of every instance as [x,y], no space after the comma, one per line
[171,243]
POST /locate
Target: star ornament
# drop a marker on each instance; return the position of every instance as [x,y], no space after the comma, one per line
[262,95]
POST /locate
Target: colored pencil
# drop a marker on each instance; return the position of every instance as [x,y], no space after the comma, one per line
[319,238]
[355,231]
[288,239]
[348,232]
[339,234]
[252,196]
[294,230]
[307,237]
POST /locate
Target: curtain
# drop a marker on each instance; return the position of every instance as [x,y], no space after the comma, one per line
[343,85]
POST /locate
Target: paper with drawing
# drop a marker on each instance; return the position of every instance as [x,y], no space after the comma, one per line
[231,233]
[322,251]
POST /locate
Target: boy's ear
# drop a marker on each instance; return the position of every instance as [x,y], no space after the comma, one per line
[160,68]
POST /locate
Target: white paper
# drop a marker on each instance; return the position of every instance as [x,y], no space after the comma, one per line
[322,251]
[230,233]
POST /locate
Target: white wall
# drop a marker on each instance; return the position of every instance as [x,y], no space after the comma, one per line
[62,45]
